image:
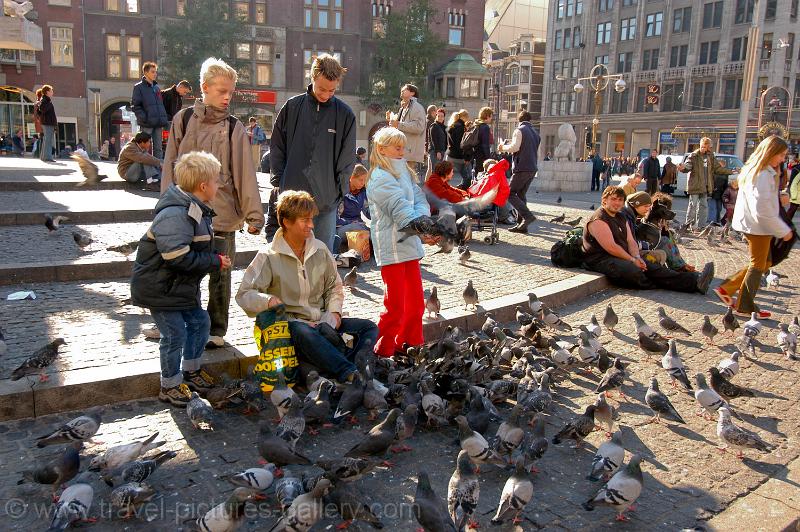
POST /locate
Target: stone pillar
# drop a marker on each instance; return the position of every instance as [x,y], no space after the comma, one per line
[564,176]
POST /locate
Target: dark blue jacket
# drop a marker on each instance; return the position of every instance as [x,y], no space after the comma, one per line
[175,253]
[352,207]
[526,159]
[148,105]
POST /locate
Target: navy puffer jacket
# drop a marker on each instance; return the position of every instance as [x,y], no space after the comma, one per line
[148,105]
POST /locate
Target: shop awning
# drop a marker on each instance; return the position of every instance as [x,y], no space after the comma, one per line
[681,132]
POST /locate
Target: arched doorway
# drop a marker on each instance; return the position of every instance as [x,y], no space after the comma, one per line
[117,120]
[374,129]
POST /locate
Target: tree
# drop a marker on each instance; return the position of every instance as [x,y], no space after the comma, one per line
[406,47]
[206,30]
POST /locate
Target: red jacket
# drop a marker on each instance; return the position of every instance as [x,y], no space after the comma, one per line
[442,189]
[495,178]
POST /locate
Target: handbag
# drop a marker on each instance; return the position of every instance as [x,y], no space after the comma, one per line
[780,248]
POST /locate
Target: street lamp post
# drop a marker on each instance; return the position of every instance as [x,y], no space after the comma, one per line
[598,80]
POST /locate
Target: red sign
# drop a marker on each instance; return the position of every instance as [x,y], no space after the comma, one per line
[652,99]
[255,96]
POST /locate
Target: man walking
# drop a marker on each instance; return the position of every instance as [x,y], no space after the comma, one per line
[173,97]
[257,138]
[524,147]
[651,171]
[148,106]
[701,165]
[208,126]
[410,119]
[597,168]
[312,145]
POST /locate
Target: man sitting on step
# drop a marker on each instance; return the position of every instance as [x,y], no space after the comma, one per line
[136,165]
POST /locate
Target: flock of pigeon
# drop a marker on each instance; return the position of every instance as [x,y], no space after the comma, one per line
[83,240]
[458,380]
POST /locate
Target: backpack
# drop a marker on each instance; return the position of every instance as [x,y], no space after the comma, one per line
[190,111]
[261,137]
[568,253]
[469,142]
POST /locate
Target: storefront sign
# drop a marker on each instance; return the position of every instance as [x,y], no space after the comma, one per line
[665,137]
[255,96]
[727,138]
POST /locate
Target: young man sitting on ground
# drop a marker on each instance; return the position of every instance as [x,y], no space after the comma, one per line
[136,164]
[353,205]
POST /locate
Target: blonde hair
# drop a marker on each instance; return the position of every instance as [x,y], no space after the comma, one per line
[194,168]
[213,68]
[294,204]
[326,65]
[766,150]
[359,169]
[462,114]
[487,163]
[485,114]
[385,137]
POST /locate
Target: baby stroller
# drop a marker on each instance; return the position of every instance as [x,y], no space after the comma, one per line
[487,219]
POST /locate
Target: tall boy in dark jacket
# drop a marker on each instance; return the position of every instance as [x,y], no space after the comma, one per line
[148,106]
[173,257]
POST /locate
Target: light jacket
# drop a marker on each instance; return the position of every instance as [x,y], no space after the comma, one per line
[412,123]
[238,199]
[756,211]
[132,153]
[393,204]
[148,105]
[701,179]
[308,289]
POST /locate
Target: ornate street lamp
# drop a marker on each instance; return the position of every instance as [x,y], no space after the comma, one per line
[597,80]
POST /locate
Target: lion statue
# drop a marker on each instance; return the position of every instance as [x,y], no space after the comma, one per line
[565,151]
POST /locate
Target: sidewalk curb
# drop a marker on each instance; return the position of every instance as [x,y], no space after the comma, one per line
[57,186]
[129,380]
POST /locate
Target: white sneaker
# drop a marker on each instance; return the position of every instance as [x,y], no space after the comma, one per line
[151,332]
[215,341]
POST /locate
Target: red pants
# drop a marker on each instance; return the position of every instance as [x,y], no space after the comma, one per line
[404,305]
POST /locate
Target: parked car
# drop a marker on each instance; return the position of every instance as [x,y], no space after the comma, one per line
[731,161]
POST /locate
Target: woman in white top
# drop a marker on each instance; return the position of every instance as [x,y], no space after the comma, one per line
[757,216]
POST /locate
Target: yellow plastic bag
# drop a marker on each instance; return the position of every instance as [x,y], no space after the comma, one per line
[275,348]
[359,241]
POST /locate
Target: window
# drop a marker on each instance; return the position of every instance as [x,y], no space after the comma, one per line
[556,69]
[451,88]
[245,74]
[113,56]
[132,6]
[261,13]
[627,29]
[574,72]
[133,49]
[567,38]
[111,5]
[733,93]
[712,15]
[470,88]
[601,60]
[325,14]
[126,6]
[243,50]
[180,7]
[650,59]
[380,8]
[604,33]
[562,4]
[570,7]
[61,46]
[682,20]
[708,53]
[576,36]
[619,102]
[555,103]
[641,101]
[653,25]
[766,46]
[578,7]
[565,68]
[242,10]
[772,9]
[677,55]
[789,48]
[263,52]
[525,74]
[59,2]
[793,9]
[626,3]
[456,33]
[702,95]
[624,61]
[8,55]
[744,11]
[671,97]
[606,5]
[739,49]
[559,37]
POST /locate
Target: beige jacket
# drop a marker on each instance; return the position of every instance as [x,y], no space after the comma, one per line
[132,153]
[308,290]
[412,123]
[238,199]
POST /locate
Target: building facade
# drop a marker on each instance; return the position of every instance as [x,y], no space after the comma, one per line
[506,20]
[683,63]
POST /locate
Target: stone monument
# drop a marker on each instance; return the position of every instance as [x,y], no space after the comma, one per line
[564,173]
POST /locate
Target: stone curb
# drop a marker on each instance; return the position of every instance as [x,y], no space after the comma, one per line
[130,380]
[57,186]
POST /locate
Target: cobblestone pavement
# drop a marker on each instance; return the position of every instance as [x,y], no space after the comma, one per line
[687,480]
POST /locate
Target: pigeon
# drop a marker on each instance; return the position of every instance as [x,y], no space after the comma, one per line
[729,321]
[610,318]
[81,240]
[674,365]
[317,404]
[517,493]
[708,399]
[464,255]
[660,404]
[89,170]
[432,304]
[124,249]
[52,223]
[540,399]
[559,219]
[559,200]
[378,439]
[281,395]
[429,510]
[652,347]
[3,346]
[139,470]
[470,296]
[352,398]
[732,436]
[643,328]
[753,324]
[306,510]
[604,413]
[80,429]
[278,451]
[227,516]
[578,428]
[293,423]
[122,454]
[553,320]
[669,324]
[575,222]
[794,327]
[433,406]
[476,445]
[787,341]
[406,424]
[621,490]
[708,330]
[612,378]
[351,278]
[57,472]
[73,506]
[200,412]
[593,327]
[489,325]
[728,367]
[534,303]
[350,505]
[38,361]
[608,458]
[287,490]
[773,279]
[258,479]
[592,207]
[509,434]
[347,469]
[128,496]
[522,317]
[478,417]
[463,492]
[726,388]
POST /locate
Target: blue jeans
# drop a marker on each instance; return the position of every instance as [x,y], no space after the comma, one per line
[155,135]
[184,334]
[140,172]
[714,210]
[311,346]
[48,136]
[464,169]
[325,228]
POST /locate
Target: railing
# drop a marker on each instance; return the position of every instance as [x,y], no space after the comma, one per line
[674,73]
[649,75]
[704,70]
[763,65]
[733,68]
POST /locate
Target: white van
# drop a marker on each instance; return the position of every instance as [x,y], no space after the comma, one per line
[731,161]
